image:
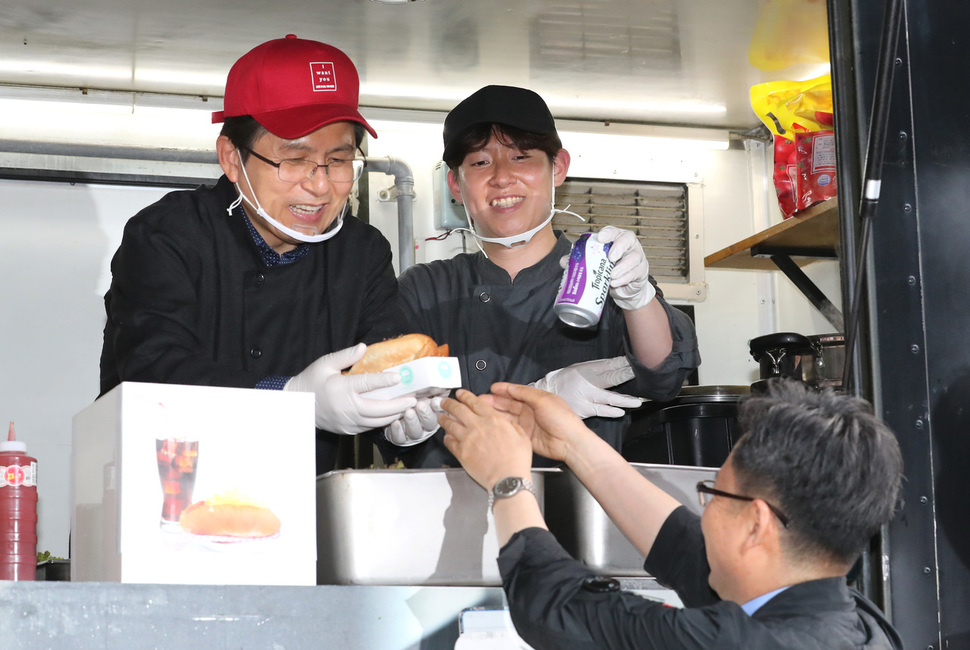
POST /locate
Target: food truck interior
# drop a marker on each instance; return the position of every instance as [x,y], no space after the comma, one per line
[105,107]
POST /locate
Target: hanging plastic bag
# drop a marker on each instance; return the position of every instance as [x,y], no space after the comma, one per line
[789,106]
[789,32]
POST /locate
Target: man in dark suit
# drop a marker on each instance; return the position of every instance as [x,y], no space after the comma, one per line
[813,477]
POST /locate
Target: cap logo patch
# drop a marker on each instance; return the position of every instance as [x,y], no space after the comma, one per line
[323,77]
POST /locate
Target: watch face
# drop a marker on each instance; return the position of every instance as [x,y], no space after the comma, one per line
[508,486]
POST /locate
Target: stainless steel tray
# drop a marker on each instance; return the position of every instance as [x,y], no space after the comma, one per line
[588,534]
[407,527]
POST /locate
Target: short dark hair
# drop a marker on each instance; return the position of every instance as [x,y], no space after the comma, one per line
[825,460]
[476,137]
[243,131]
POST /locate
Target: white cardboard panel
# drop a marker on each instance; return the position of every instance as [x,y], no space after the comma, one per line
[251,442]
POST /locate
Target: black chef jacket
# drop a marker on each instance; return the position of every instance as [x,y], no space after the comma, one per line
[192,302]
[551,608]
[502,330]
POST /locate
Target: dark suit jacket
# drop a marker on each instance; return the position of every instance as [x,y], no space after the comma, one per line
[552,605]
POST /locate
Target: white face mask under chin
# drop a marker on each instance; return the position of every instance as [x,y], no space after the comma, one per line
[513,241]
[312,238]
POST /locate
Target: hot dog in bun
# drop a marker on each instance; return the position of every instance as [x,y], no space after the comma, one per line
[394,352]
[229,515]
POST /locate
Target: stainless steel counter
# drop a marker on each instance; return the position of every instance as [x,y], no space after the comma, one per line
[111,616]
[438,524]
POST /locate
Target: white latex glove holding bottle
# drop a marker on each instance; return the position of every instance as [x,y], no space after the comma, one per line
[340,408]
[630,283]
[582,386]
[417,424]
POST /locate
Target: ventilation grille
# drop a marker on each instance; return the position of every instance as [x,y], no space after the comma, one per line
[656,212]
[630,37]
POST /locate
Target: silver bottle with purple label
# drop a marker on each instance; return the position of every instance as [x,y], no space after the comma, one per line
[585,283]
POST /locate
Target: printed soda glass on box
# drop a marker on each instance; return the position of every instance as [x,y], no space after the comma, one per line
[177,463]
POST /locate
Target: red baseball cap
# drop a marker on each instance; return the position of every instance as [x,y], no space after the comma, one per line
[293,86]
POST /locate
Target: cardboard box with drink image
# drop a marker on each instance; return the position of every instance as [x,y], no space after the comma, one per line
[194,485]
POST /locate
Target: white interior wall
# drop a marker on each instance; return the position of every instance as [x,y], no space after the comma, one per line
[57,243]
[59,239]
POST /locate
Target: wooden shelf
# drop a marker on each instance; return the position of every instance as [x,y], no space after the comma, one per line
[808,236]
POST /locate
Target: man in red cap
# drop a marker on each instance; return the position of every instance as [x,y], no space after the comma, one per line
[239,284]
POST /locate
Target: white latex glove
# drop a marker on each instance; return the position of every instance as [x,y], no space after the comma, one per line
[582,386]
[417,424]
[630,283]
[339,405]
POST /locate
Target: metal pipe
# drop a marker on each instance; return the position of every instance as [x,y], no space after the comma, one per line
[124,152]
[848,143]
[872,177]
[404,193]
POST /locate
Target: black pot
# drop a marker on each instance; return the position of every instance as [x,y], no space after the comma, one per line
[783,354]
[815,360]
[828,361]
[697,429]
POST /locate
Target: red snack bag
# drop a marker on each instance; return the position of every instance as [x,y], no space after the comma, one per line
[816,167]
[785,175]
[804,170]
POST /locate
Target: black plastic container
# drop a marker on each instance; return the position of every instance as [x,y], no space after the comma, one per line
[697,429]
[54,570]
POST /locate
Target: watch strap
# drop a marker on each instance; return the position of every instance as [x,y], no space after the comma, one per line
[523,484]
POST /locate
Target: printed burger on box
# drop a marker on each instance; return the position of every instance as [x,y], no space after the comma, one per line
[194,485]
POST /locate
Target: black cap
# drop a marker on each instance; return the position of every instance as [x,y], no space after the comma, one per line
[516,107]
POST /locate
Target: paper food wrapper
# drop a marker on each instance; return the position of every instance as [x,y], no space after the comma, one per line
[421,378]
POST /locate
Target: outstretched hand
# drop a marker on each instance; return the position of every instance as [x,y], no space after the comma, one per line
[493,436]
[544,417]
[489,444]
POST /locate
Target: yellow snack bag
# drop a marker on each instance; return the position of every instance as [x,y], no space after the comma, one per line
[789,106]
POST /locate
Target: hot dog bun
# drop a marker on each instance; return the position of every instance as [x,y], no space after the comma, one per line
[229,517]
[394,352]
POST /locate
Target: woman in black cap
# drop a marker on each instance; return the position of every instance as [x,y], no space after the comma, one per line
[495,307]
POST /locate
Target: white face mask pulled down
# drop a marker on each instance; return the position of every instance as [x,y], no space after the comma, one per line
[309,235]
[513,241]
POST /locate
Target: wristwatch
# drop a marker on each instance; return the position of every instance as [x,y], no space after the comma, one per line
[510,486]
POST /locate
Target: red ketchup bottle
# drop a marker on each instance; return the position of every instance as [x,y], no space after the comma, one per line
[18,510]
